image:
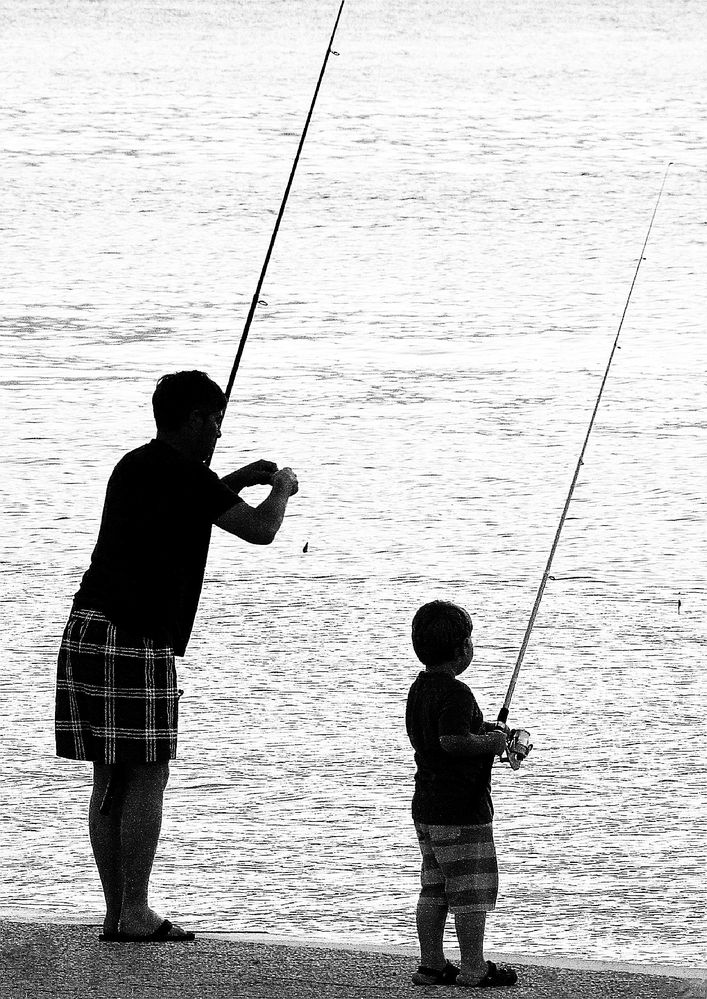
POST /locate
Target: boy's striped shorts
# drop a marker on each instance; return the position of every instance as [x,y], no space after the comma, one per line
[116,694]
[459,867]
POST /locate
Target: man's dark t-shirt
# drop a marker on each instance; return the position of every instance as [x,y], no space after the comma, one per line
[147,568]
[449,790]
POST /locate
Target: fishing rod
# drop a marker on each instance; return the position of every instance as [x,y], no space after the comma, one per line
[256,296]
[115,780]
[519,744]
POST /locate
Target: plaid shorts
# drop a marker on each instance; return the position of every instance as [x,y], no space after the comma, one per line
[116,694]
[459,868]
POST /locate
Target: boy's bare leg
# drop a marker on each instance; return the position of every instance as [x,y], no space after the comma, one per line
[470,928]
[141,822]
[104,831]
[431,919]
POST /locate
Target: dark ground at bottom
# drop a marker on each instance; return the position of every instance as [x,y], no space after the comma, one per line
[40,960]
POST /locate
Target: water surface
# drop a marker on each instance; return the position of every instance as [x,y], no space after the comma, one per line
[447,283]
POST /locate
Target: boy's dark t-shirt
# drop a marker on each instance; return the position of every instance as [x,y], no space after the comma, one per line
[449,790]
[147,568]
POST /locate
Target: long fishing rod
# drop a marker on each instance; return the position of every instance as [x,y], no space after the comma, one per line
[256,296]
[519,745]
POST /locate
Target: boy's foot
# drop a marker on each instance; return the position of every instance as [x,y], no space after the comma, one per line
[432,976]
[494,978]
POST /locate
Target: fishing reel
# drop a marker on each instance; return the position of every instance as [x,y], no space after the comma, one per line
[517,747]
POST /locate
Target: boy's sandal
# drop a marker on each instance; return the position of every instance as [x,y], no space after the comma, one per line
[431,976]
[494,978]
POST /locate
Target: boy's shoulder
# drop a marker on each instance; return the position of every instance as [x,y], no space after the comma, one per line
[429,683]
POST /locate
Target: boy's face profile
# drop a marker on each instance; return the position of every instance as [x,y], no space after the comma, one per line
[465,657]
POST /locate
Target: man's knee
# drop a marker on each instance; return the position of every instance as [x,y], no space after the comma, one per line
[156,772]
[144,778]
[151,775]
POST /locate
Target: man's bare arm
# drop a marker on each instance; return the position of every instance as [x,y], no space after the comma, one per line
[259,525]
[257,473]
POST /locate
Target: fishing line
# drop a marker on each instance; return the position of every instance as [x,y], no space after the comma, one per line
[503,713]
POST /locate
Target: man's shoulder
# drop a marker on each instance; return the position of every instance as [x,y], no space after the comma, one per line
[138,464]
[160,459]
[145,454]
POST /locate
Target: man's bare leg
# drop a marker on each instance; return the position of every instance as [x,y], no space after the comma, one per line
[141,822]
[104,831]
[125,843]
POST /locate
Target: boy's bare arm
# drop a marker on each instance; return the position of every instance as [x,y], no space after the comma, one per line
[490,743]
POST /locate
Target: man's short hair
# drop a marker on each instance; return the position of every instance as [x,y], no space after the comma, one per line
[439,629]
[179,394]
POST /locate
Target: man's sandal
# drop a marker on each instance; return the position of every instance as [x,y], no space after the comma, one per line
[494,978]
[163,934]
[431,976]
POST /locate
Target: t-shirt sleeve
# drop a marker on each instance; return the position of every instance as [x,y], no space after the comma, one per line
[216,497]
[460,714]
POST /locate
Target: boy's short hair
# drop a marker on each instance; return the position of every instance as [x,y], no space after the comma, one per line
[439,628]
[179,394]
